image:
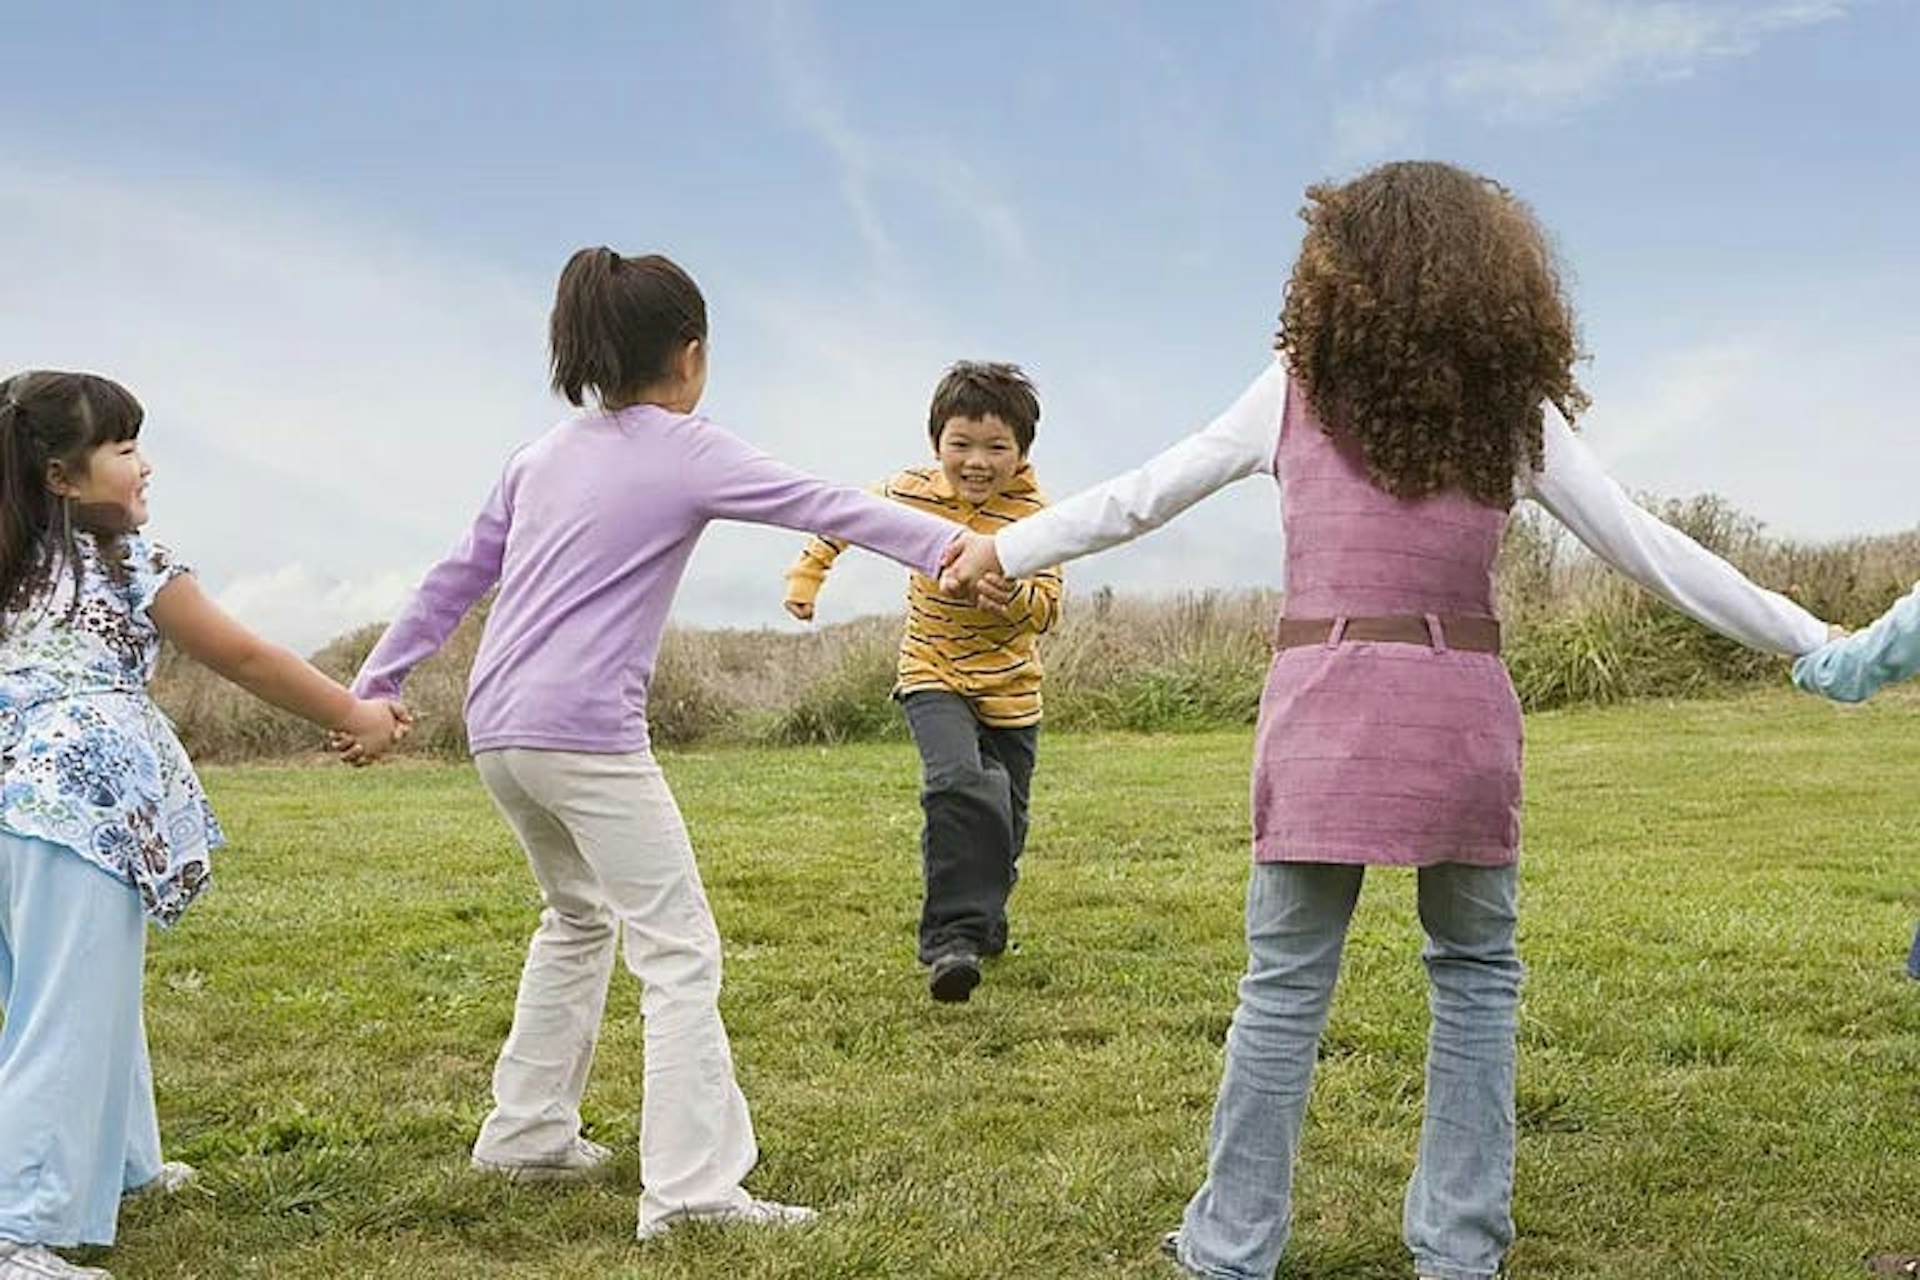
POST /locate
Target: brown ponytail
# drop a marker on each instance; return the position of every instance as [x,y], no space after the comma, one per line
[618,323]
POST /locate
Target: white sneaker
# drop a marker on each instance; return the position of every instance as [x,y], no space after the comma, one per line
[570,1164]
[37,1262]
[754,1213]
[173,1175]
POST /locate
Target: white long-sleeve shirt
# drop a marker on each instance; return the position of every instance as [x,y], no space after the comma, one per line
[1571,485]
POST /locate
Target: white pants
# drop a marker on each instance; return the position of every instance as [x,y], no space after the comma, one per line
[77,1123]
[607,846]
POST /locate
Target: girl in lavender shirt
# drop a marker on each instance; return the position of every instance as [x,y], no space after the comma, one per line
[1425,364]
[586,536]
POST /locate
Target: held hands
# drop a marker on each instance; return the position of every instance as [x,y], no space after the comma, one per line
[369,731]
[971,567]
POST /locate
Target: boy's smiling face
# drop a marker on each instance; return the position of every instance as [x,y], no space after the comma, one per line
[978,456]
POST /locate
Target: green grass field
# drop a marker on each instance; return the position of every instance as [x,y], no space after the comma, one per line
[1720,1056]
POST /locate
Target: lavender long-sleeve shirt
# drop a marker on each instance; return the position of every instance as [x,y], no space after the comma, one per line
[587,534]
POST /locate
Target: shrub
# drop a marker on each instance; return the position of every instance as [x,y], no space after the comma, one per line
[849,702]
[1576,633]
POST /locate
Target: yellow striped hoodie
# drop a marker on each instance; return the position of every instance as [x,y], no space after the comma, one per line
[991,660]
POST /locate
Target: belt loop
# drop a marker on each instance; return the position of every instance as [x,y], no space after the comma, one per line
[1337,632]
[1436,635]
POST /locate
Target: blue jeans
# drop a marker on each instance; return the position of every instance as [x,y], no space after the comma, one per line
[1458,1221]
[1913,956]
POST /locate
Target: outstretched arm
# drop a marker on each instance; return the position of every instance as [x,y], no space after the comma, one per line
[1573,486]
[809,574]
[1238,443]
[439,602]
[1852,668]
[742,483]
[209,635]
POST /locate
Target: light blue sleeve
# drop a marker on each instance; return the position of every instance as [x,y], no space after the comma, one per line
[1853,667]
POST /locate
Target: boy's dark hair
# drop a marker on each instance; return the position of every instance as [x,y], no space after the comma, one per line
[977,388]
[48,417]
[618,323]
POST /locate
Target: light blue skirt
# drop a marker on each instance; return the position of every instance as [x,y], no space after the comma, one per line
[77,1121]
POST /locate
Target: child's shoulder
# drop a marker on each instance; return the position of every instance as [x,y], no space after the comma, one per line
[144,555]
[130,548]
[916,484]
[1023,495]
[914,477]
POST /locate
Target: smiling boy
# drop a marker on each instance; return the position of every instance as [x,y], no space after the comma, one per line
[969,678]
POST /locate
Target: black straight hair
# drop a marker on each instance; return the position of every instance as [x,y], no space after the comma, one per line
[979,388]
[46,417]
[619,322]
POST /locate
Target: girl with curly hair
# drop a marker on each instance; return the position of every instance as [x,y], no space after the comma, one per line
[102,823]
[1423,383]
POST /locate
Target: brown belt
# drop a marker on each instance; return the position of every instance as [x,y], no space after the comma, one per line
[1436,630]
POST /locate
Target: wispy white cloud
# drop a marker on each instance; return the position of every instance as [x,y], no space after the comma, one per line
[1385,120]
[1694,391]
[1525,63]
[1582,51]
[1176,114]
[331,394]
[1792,424]
[872,166]
[329,401]
[1333,25]
[306,608]
[316,392]
[787,38]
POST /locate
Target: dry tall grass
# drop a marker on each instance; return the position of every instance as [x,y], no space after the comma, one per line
[1577,633]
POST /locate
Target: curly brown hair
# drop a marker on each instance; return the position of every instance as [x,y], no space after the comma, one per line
[1426,321]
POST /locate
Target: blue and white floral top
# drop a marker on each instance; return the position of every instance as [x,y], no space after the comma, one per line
[87,760]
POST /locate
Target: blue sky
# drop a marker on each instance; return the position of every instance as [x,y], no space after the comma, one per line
[319,242]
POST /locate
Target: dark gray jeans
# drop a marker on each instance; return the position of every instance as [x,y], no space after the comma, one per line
[974,783]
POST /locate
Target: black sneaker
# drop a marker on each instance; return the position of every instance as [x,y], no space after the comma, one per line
[954,976]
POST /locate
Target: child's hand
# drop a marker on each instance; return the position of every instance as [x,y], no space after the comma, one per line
[370,731]
[993,592]
[801,609]
[970,557]
[1836,632]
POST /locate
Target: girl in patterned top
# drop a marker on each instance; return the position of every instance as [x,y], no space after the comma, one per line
[1423,384]
[102,822]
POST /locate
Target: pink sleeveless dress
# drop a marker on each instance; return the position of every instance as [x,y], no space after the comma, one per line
[1373,752]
